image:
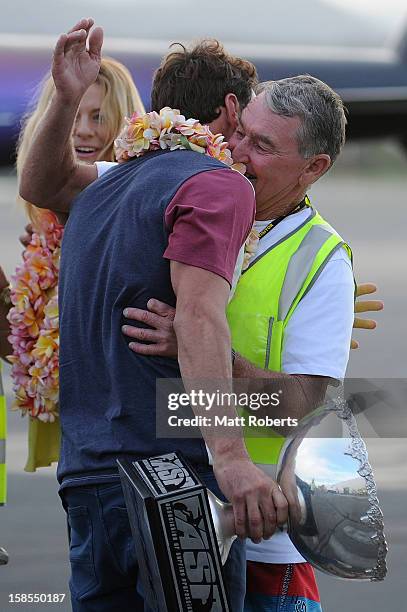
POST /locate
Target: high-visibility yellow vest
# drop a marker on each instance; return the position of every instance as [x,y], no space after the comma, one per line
[3,432]
[266,296]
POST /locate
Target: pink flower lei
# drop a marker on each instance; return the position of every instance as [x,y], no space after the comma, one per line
[168,129]
[34,324]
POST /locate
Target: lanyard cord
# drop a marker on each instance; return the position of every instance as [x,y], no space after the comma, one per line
[305,202]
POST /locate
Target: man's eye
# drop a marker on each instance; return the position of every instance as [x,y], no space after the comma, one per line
[260,149]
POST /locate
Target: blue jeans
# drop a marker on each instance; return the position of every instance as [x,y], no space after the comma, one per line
[104,572]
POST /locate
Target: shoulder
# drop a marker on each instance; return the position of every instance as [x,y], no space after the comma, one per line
[329,302]
[341,254]
[203,168]
[221,182]
[333,283]
[338,270]
[220,190]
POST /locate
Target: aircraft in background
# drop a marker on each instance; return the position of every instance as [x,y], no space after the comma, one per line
[371,81]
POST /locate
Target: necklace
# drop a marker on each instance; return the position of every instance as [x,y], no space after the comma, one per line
[168,129]
[305,202]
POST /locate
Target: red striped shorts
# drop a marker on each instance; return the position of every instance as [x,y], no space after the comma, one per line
[273,587]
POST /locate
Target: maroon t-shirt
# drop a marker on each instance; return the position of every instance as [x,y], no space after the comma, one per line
[209,218]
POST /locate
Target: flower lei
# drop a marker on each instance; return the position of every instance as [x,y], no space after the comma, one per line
[34,324]
[168,129]
[250,248]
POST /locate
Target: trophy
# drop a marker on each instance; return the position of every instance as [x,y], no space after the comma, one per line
[173,518]
[335,520]
[183,532]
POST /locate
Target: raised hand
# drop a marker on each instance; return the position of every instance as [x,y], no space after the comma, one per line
[76,60]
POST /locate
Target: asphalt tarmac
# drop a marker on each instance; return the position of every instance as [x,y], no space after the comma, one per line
[364,198]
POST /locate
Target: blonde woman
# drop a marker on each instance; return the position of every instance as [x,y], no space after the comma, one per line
[99,120]
[100,117]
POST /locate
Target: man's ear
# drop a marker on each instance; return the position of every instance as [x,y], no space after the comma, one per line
[316,167]
[232,110]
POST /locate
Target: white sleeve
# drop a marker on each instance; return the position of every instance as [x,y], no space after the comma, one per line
[317,337]
[104,166]
[237,271]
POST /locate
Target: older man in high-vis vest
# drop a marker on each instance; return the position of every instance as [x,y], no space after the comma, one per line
[292,312]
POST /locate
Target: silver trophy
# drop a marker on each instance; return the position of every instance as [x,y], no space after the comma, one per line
[183,532]
[335,520]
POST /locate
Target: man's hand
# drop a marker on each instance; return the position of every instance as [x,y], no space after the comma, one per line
[365,306]
[75,67]
[159,317]
[258,503]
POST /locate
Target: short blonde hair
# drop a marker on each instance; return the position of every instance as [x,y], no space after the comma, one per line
[121,99]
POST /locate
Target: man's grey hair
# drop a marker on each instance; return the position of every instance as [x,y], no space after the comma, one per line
[319,108]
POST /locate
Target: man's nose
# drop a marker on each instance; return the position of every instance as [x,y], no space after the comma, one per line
[238,150]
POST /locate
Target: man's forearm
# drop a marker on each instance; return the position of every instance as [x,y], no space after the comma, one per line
[300,394]
[50,162]
[204,357]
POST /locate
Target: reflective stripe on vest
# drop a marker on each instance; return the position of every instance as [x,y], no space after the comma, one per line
[3,431]
[265,299]
[299,267]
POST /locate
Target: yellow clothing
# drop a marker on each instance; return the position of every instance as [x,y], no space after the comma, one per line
[44,440]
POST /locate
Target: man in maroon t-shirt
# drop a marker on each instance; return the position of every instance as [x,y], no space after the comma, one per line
[51,178]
